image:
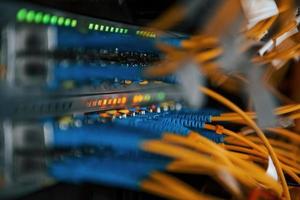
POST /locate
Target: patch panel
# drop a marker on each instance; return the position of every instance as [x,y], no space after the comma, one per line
[49,105]
[94,134]
[68,37]
[42,63]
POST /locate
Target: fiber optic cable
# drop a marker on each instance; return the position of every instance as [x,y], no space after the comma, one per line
[111,171]
[258,131]
[168,150]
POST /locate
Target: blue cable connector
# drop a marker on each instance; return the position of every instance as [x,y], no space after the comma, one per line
[99,135]
[68,38]
[117,172]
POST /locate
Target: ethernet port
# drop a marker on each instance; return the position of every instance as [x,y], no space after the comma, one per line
[34,42]
[35,70]
[31,72]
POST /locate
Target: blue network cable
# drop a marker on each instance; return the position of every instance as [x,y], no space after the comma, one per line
[128,133]
[84,72]
[99,135]
[68,38]
[157,127]
[212,135]
[179,122]
[79,72]
[117,172]
[175,42]
[203,111]
[117,159]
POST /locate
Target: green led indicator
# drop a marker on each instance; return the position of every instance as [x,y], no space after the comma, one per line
[107,28]
[137,32]
[38,17]
[91,26]
[74,23]
[112,29]
[161,96]
[121,30]
[126,31]
[30,16]
[117,30]
[147,97]
[53,20]
[68,22]
[21,15]
[101,28]
[61,21]
[46,19]
[96,27]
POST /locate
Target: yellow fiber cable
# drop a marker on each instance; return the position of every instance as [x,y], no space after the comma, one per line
[178,186]
[154,187]
[194,145]
[259,133]
[294,137]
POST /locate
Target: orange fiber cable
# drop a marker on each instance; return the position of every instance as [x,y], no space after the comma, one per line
[259,132]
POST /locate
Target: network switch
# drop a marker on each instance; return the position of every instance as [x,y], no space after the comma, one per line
[210,112]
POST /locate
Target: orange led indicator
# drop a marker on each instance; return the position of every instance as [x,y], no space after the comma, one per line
[119,101]
[114,101]
[124,111]
[94,103]
[109,101]
[105,115]
[99,102]
[124,100]
[89,104]
[104,102]
[140,98]
[134,100]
